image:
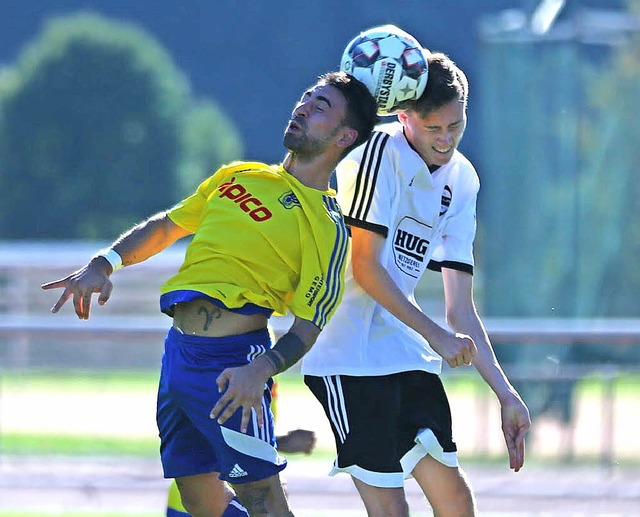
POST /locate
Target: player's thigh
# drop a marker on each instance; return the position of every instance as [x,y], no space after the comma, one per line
[446,488]
[264,497]
[363,413]
[382,502]
[204,494]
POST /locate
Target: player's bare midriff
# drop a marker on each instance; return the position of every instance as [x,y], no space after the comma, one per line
[202,318]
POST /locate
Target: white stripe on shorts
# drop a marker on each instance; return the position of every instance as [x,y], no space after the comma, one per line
[337,409]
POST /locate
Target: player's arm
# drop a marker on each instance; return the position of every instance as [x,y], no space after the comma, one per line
[462,316]
[371,275]
[136,245]
[243,386]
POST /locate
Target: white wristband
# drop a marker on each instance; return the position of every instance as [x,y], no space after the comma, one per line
[112,257]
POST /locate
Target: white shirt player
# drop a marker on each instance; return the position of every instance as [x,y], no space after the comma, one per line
[429,221]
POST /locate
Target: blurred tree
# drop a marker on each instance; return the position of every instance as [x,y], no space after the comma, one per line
[97,125]
[208,140]
[610,187]
[559,216]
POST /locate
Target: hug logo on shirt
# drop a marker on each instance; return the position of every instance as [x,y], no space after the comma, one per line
[410,245]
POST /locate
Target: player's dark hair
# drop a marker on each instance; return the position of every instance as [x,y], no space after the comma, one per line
[446,83]
[361,106]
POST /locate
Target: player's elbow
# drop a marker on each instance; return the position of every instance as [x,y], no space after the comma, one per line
[363,271]
[456,319]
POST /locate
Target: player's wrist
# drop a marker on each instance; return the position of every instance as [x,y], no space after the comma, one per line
[112,257]
[264,366]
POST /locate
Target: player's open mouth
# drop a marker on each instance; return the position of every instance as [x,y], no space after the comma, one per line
[442,151]
[294,126]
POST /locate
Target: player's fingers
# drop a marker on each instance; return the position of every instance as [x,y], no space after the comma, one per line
[520,448]
[216,410]
[105,292]
[467,357]
[471,351]
[219,407]
[227,413]
[222,382]
[244,423]
[246,416]
[515,446]
[85,304]
[61,301]
[55,284]
[516,457]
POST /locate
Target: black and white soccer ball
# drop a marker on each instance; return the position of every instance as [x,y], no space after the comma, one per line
[390,62]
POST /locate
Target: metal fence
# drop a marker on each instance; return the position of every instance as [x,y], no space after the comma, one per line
[129,331]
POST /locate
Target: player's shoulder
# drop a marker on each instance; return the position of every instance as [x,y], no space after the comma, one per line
[386,139]
[246,169]
[465,172]
[392,134]
[247,166]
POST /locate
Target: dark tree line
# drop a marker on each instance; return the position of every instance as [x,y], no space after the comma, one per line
[98,129]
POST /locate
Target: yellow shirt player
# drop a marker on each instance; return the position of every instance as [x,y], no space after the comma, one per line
[266,238]
[290,258]
[285,251]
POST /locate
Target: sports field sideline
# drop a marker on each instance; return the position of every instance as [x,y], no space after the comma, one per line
[134,488]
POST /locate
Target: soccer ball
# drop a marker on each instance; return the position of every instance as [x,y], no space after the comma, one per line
[390,62]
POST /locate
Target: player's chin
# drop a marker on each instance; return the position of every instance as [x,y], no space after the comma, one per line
[441,158]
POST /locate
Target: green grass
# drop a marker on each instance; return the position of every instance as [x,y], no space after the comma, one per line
[48,444]
[76,514]
[136,382]
[119,380]
[128,380]
[125,381]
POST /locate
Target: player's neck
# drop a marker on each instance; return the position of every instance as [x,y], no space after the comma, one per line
[313,172]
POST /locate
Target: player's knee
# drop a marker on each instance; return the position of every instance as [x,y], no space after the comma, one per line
[462,504]
[263,497]
[235,509]
[202,503]
[394,508]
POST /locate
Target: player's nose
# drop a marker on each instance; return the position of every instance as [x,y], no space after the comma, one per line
[302,110]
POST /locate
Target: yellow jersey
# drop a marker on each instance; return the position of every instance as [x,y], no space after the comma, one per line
[262,241]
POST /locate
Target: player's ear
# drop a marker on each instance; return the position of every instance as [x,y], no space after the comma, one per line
[402,117]
[347,137]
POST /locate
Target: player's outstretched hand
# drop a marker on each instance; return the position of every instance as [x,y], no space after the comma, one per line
[515,424]
[298,440]
[243,387]
[81,284]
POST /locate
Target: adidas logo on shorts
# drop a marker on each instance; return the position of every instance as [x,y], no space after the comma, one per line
[237,472]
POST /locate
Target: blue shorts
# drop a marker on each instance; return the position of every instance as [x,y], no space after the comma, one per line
[191,442]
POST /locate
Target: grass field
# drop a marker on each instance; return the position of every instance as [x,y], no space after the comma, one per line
[113,413]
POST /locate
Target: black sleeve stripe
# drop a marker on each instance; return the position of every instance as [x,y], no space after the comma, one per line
[375,228]
[362,183]
[450,264]
[368,175]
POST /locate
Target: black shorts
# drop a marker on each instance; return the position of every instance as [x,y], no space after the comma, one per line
[383,425]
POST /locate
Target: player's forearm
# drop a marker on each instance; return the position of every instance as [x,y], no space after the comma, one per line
[147,239]
[486,362]
[291,347]
[377,283]
[288,351]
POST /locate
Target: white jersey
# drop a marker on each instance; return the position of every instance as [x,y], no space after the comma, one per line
[428,220]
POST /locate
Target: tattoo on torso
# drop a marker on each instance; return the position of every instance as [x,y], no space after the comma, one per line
[210,314]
